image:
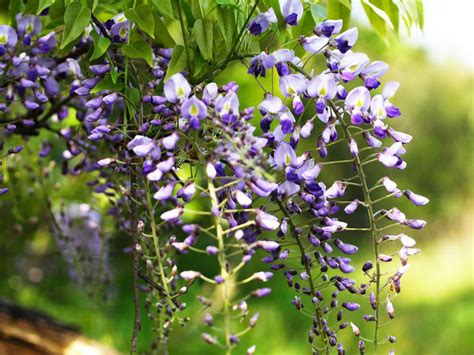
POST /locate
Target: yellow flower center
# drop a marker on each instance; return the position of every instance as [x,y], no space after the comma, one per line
[193,110]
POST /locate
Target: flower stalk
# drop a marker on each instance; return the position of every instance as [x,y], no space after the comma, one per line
[311,278]
[223,265]
[368,203]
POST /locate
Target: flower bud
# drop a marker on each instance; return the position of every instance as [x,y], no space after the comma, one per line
[390,309]
[253,320]
[208,320]
[355,329]
[367,266]
[261,292]
[209,339]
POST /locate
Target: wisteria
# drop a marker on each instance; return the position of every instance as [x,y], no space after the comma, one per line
[186,170]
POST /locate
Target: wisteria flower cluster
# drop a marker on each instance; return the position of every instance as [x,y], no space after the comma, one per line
[185,169]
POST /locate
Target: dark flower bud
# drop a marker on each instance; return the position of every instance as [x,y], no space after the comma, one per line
[15,150]
[340,349]
[351,306]
[367,266]
[368,318]
[373,300]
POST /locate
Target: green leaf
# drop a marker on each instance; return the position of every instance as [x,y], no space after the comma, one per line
[90,4]
[107,84]
[196,9]
[404,15]
[346,3]
[392,11]
[421,13]
[378,19]
[56,10]
[132,97]
[318,12]
[114,75]
[379,12]
[142,15]
[43,4]
[100,47]
[76,19]
[204,36]
[226,24]
[164,7]
[14,7]
[188,13]
[305,25]
[31,7]
[339,9]
[139,50]
[162,34]
[177,62]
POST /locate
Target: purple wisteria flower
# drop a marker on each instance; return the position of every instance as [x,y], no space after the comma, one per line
[262,22]
[194,110]
[292,10]
[8,38]
[177,88]
[185,170]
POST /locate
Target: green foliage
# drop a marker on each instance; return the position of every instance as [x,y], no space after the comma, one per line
[203,32]
[108,83]
[340,9]
[164,7]
[162,34]
[139,50]
[384,15]
[211,32]
[178,61]
[76,18]
[142,15]
[132,95]
[318,12]
[101,44]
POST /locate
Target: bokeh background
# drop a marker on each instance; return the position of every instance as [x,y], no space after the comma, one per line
[435,312]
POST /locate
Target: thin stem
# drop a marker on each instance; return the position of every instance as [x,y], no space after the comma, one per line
[317,308]
[135,261]
[223,266]
[371,216]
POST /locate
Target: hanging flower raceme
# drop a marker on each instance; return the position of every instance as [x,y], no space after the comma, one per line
[304,197]
[185,170]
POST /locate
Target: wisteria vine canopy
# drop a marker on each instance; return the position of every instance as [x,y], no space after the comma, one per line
[126,90]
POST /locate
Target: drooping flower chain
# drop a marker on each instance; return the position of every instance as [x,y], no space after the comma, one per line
[196,147]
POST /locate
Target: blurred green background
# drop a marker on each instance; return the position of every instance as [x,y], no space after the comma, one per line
[435,311]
